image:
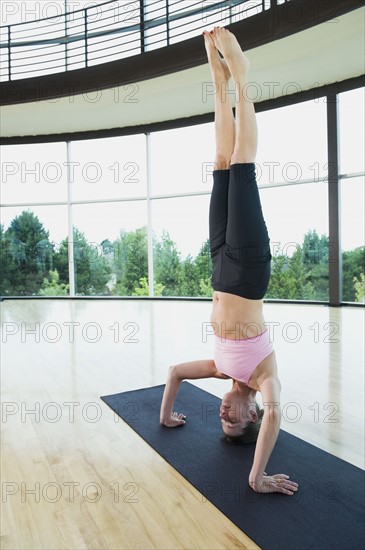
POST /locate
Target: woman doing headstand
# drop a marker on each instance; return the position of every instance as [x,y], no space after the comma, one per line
[240,251]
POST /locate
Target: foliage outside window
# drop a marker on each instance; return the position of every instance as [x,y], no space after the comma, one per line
[32,265]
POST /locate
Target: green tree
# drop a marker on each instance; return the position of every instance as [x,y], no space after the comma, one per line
[315,260]
[189,282]
[315,249]
[130,260]
[167,265]
[8,265]
[360,288]
[289,278]
[143,288]
[353,265]
[281,285]
[203,264]
[60,261]
[52,286]
[318,278]
[92,271]
[28,254]
[303,289]
[205,287]
[295,274]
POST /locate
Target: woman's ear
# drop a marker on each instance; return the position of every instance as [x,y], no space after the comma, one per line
[253,416]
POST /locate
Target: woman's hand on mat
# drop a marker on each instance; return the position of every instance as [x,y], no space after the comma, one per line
[278,483]
[175,419]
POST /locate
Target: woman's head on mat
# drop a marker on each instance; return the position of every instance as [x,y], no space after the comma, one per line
[240,417]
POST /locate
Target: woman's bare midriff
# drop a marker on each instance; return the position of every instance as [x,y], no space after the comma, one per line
[236,317]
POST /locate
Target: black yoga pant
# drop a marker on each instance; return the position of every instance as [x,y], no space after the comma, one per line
[239,241]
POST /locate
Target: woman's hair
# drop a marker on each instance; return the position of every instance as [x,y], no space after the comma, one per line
[249,434]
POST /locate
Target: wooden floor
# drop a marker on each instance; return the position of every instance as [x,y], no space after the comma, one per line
[74,477]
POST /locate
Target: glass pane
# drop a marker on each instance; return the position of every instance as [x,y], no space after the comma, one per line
[109,168]
[75,30]
[181,252]
[352,131]
[18,11]
[178,165]
[33,173]
[113,47]
[212,14]
[188,18]
[297,221]
[248,9]
[37,45]
[352,235]
[292,142]
[75,55]
[110,247]
[31,61]
[155,28]
[32,250]
[185,19]
[4,54]
[119,23]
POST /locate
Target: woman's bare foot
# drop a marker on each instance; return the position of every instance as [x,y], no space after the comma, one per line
[218,66]
[237,62]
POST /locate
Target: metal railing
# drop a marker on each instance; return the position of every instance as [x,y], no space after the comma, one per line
[110,31]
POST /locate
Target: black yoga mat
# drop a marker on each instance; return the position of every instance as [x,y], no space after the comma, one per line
[327,513]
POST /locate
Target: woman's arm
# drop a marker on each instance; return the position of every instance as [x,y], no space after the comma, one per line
[258,479]
[178,373]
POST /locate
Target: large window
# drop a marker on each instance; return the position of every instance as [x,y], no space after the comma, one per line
[292,169]
[132,212]
[34,173]
[34,260]
[297,219]
[292,143]
[107,169]
[181,252]
[352,168]
[34,219]
[182,160]
[353,233]
[110,247]
[352,131]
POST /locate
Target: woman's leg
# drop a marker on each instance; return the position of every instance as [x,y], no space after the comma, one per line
[225,136]
[245,146]
[247,239]
[223,120]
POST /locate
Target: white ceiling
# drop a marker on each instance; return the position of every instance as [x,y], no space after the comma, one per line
[327,53]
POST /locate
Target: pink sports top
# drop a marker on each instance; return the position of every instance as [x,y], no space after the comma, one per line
[239,358]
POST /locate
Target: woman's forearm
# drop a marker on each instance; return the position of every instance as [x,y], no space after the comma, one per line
[192,370]
[168,399]
[265,443]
